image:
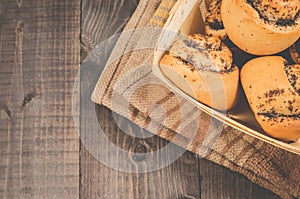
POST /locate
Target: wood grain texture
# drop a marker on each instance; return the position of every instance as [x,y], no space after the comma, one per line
[220,182]
[103,19]
[39,59]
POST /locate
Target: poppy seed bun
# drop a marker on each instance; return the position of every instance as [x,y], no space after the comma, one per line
[213,21]
[276,11]
[272,88]
[204,52]
[201,66]
[262,27]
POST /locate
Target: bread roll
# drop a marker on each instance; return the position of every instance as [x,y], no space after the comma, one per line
[272,88]
[262,27]
[202,67]
[213,21]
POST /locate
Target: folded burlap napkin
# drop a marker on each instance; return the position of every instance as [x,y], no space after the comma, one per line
[128,87]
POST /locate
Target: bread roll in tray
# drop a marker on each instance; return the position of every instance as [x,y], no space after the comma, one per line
[262,27]
[202,67]
[272,88]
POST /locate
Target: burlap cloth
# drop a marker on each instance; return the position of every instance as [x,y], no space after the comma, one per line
[128,87]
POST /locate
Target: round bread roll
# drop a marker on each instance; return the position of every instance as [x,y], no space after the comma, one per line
[272,88]
[213,21]
[202,67]
[262,27]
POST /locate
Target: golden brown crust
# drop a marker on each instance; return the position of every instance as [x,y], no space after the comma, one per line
[261,27]
[217,90]
[272,90]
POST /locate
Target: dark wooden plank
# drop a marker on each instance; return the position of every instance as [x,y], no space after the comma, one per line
[39,59]
[220,182]
[102,19]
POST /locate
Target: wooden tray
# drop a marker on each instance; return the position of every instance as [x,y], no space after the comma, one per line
[186,17]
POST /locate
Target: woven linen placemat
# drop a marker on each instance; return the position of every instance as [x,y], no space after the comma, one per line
[128,87]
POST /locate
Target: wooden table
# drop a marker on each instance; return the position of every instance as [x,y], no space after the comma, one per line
[46,112]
